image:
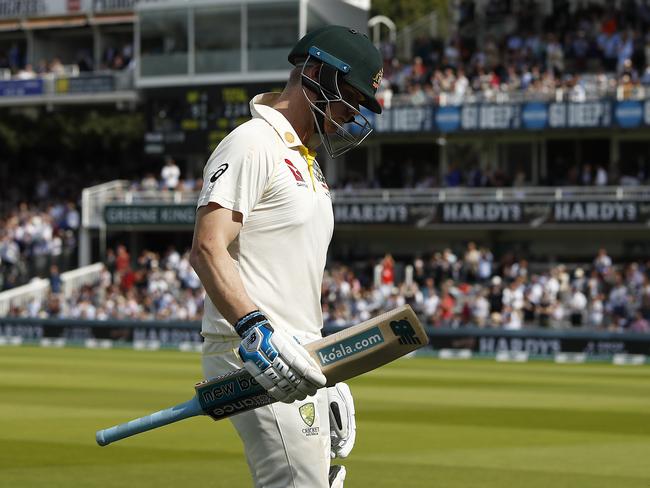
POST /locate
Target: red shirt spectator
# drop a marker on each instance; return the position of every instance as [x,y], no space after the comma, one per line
[128,280]
[609,25]
[388,270]
[447,306]
[122,260]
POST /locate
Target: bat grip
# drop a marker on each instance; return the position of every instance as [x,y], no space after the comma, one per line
[163,417]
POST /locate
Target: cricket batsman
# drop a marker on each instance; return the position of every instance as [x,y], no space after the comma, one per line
[264,223]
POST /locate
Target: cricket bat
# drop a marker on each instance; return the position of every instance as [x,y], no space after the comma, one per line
[341,356]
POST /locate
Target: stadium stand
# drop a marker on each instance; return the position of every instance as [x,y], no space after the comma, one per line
[472,290]
[114,59]
[34,238]
[155,287]
[585,54]
[446,289]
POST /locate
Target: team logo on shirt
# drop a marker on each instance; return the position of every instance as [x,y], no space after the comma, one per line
[220,170]
[308,415]
[300,181]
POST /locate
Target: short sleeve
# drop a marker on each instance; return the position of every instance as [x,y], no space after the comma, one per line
[236,174]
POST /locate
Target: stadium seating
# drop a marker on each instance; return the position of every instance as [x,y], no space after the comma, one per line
[444,289]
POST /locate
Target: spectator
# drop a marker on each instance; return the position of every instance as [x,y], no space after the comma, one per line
[545,310]
[586,177]
[639,324]
[431,300]
[27,73]
[453,178]
[149,183]
[170,174]
[471,262]
[603,262]
[55,279]
[122,260]
[485,265]
[72,217]
[481,309]
[617,302]
[56,67]
[597,312]
[445,311]
[495,296]
[577,306]
[388,271]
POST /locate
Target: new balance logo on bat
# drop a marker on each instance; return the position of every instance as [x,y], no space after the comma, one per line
[404,330]
[241,406]
[229,389]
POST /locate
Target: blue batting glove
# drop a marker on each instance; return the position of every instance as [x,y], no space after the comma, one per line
[277,361]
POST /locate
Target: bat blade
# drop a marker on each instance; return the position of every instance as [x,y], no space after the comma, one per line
[368,345]
[341,356]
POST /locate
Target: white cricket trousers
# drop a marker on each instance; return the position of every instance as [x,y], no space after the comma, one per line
[286,445]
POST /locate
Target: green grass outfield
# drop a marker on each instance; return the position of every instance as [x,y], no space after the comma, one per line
[421,422]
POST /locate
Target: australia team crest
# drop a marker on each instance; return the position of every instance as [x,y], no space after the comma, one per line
[308,413]
[308,416]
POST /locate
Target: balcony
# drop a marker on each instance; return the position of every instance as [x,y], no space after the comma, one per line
[99,87]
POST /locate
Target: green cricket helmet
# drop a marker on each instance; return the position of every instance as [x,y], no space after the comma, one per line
[351,52]
[344,56]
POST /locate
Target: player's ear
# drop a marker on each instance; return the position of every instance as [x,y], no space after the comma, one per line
[313,70]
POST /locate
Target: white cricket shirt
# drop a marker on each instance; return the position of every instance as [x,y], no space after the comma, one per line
[258,170]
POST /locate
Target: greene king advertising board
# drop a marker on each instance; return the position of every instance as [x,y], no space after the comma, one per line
[497,214]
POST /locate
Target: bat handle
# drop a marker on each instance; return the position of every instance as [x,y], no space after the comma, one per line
[163,417]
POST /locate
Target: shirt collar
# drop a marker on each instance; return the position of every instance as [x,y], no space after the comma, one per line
[261,108]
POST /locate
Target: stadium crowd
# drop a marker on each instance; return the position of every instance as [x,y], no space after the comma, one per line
[590,52]
[445,289]
[473,290]
[14,62]
[411,174]
[153,287]
[576,54]
[170,179]
[35,237]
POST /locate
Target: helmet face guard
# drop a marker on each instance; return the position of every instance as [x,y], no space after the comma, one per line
[327,90]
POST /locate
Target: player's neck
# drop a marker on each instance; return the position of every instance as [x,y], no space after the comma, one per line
[294,107]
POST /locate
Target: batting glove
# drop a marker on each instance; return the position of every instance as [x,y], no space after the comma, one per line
[276,360]
[337,476]
[343,426]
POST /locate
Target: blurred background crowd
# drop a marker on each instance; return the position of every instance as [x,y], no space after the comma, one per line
[570,54]
[471,289]
[35,237]
[13,64]
[590,52]
[446,289]
[150,287]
